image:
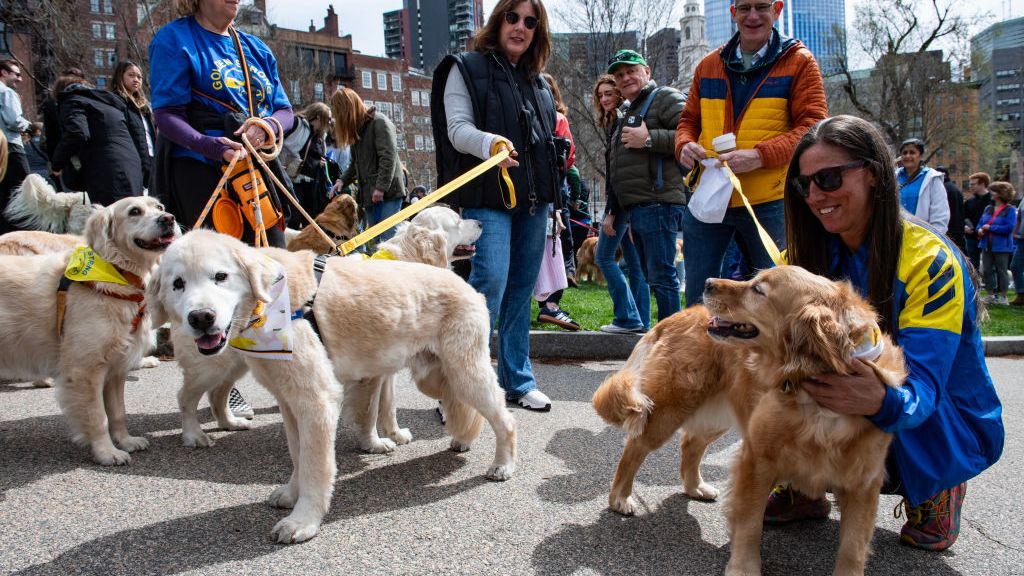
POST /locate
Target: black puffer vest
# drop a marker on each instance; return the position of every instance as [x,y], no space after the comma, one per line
[505,102]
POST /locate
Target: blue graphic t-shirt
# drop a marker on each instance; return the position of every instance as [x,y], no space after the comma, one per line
[188,62]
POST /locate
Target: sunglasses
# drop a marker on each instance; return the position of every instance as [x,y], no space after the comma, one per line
[827,179]
[512,18]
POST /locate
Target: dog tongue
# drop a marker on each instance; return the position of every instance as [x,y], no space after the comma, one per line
[210,341]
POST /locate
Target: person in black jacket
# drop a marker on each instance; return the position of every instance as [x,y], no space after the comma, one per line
[974,206]
[312,180]
[127,83]
[51,124]
[955,229]
[109,147]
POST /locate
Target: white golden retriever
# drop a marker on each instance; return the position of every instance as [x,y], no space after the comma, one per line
[371,326]
[105,332]
[37,206]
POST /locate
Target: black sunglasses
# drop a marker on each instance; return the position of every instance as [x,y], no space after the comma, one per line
[513,18]
[827,179]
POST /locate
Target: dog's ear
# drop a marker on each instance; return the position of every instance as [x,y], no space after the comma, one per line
[260,270]
[815,341]
[155,301]
[98,228]
[434,245]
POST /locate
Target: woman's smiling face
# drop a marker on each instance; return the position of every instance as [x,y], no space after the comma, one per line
[847,210]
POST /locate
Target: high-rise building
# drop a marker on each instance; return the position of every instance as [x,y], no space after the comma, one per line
[693,43]
[1000,70]
[424,31]
[819,24]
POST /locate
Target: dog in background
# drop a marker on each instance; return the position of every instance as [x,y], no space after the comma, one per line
[105,329]
[586,267]
[338,220]
[37,206]
[759,340]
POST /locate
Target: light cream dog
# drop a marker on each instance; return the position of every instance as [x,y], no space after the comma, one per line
[99,344]
[35,242]
[207,279]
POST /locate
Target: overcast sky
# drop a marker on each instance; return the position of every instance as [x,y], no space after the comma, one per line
[362,18]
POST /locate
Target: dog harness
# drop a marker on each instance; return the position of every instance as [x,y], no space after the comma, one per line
[90,269]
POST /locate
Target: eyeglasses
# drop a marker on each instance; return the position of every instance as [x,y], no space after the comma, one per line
[512,18]
[746,9]
[827,179]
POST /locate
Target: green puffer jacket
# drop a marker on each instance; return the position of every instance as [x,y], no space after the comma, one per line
[634,171]
[375,163]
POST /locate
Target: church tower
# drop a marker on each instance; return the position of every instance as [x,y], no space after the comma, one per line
[693,45]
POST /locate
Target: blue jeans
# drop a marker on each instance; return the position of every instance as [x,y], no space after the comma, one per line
[380,211]
[655,228]
[505,268]
[1017,268]
[705,244]
[632,304]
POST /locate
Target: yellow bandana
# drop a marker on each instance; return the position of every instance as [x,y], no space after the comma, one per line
[383,255]
[88,266]
[269,331]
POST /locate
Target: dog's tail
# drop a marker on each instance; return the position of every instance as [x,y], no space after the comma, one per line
[619,400]
[37,206]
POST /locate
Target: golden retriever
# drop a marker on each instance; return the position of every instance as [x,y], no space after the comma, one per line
[742,360]
[35,205]
[338,220]
[208,282]
[36,242]
[105,332]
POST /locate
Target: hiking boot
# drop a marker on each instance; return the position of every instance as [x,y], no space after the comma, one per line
[935,523]
[238,406]
[616,329]
[786,505]
[558,317]
[534,400]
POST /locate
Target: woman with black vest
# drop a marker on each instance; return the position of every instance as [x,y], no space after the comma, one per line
[484,100]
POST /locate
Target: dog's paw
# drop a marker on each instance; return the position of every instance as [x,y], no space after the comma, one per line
[377,445]
[625,506]
[236,424]
[401,437]
[457,446]
[44,383]
[704,491]
[133,443]
[149,362]
[749,569]
[501,472]
[294,530]
[283,496]
[111,456]
[196,439]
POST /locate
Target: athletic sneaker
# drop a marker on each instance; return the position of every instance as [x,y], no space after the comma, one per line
[935,523]
[534,400]
[558,317]
[616,329]
[786,505]
[238,406]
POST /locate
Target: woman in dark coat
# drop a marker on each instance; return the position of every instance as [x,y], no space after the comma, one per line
[127,83]
[109,147]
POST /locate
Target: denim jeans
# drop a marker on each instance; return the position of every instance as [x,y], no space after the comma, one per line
[655,228]
[505,268]
[705,244]
[380,211]
[632,304]
[1017,268]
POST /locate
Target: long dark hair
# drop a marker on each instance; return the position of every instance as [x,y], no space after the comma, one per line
[808,244]
[536,56]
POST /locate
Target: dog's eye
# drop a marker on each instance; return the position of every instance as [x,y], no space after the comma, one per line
[135,211]
[220,276]
[160,207]
[178,284]
[757,288]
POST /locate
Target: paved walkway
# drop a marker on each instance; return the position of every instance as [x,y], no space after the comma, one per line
[423,509]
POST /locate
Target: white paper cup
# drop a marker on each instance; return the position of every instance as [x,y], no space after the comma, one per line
[724,143]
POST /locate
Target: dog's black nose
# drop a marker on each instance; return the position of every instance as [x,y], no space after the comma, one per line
[167,220]
[201,319]
[709,285]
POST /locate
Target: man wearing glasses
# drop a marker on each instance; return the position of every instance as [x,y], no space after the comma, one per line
[13,125]
[767,90]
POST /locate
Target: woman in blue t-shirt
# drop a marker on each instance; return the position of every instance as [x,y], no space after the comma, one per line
[200,100]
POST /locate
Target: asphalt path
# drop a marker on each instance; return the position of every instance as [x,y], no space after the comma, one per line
[423,509]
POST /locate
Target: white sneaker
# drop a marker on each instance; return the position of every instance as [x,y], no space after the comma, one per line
[615,329]
[535,400]
[1001,300]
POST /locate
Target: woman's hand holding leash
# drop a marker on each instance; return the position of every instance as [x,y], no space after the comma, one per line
[509,162]
[233,148]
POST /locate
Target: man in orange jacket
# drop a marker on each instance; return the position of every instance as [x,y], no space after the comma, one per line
[767,90]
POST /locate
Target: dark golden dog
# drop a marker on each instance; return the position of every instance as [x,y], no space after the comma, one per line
[338,220]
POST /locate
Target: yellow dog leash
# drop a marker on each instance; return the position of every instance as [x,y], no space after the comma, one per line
[766,239]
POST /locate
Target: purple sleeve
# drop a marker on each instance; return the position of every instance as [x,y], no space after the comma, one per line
[173,124]
[285,117]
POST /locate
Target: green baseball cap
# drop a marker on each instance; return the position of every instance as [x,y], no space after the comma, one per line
[628,57]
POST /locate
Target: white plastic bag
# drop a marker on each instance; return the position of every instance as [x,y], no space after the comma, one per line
[711,199]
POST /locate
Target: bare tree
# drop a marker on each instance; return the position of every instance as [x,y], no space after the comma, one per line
[59,40]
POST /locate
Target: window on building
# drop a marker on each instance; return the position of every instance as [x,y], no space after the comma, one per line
[419,142]
[97,30]
[101,81]
[430,143]
[401,140]
[325,60]
[399,114]
[111,58]
[340,64]
[368,103]
[94,6]
[318,92]
[109,29]
[385,108]
[425,98]
[108,7]
[307,56]
[382,81]
[1007,87]
[99,58]
[415,97]
[296,92]
[367,79]
[396,82]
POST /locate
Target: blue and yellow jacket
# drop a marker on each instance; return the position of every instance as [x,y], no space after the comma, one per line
[946,418]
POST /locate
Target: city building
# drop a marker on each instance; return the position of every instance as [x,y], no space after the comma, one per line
[663,55]
[999,69]
[424,31]
[693,43]
[819,24]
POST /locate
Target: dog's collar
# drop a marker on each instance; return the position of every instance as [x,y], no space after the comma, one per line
[86,265]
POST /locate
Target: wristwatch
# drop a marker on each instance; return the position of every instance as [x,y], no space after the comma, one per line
[648,143]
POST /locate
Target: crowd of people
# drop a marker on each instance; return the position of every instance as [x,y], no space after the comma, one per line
[824,189]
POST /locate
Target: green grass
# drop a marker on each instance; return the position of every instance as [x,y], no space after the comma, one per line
[591,307]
